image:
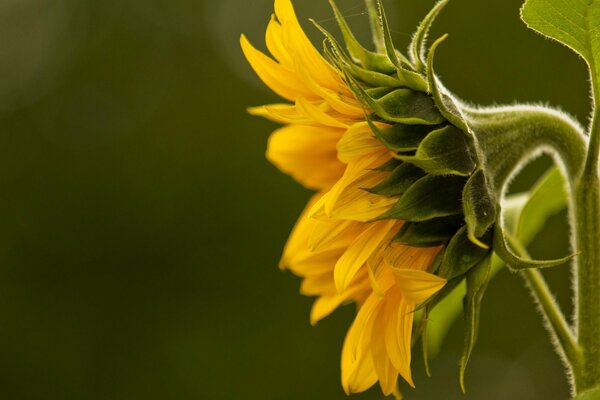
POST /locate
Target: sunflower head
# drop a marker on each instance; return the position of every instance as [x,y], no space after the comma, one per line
[404,211]
[436,174]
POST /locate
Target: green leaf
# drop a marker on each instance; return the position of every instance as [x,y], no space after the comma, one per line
[573,23]
[477,281]
[419,39]
[443,152]
[368,59]
[398,182]
[429,197]
[478,206]
[461,255]
[429,233]
[401,137]
[525,215]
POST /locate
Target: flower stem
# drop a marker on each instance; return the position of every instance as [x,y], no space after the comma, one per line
[587,240]
[556,322]
[587,293]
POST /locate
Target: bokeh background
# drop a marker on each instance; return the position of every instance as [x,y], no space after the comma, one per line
[140,225]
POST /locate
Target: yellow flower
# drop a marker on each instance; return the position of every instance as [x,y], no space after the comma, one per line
[336,247]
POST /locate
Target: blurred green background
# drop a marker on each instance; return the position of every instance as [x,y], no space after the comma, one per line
[140,225]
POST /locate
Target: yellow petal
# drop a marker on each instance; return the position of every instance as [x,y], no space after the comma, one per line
[285,12]
[359,252]
[280,79]
[358,371]
[274,41]
[282,113]
[298,45]
[387,374]
[356,204]
[407,257]
[417,286]
[297,240]
[358,141]
[327,232]
[315,114]
[306,262]
[351,185]
[307,153]
[345,105]
[329,299]
[398,334]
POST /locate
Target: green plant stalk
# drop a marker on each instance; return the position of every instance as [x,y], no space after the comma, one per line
[557,323]
[587,289]
[587,241]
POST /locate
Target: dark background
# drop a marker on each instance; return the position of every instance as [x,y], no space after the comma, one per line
[140,225]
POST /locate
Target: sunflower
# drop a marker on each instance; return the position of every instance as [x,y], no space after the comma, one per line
[352,242]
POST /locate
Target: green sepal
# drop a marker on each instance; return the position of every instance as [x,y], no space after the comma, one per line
[413,79]
[376,29]
[477,281]
[368,59]
[479,207]
[344,63]
[378,92]
[402,105]
[429,233]
[419,39]
[388,166]
[399,181]
[430,197]
[445,103]
[401,137]
[442,152]
[502,247]
[396,58]
[461,255]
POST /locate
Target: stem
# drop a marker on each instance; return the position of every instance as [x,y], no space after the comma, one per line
[587,293]
[587,240]
[556,322]
[510,136]
[378,39]
[593,154]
